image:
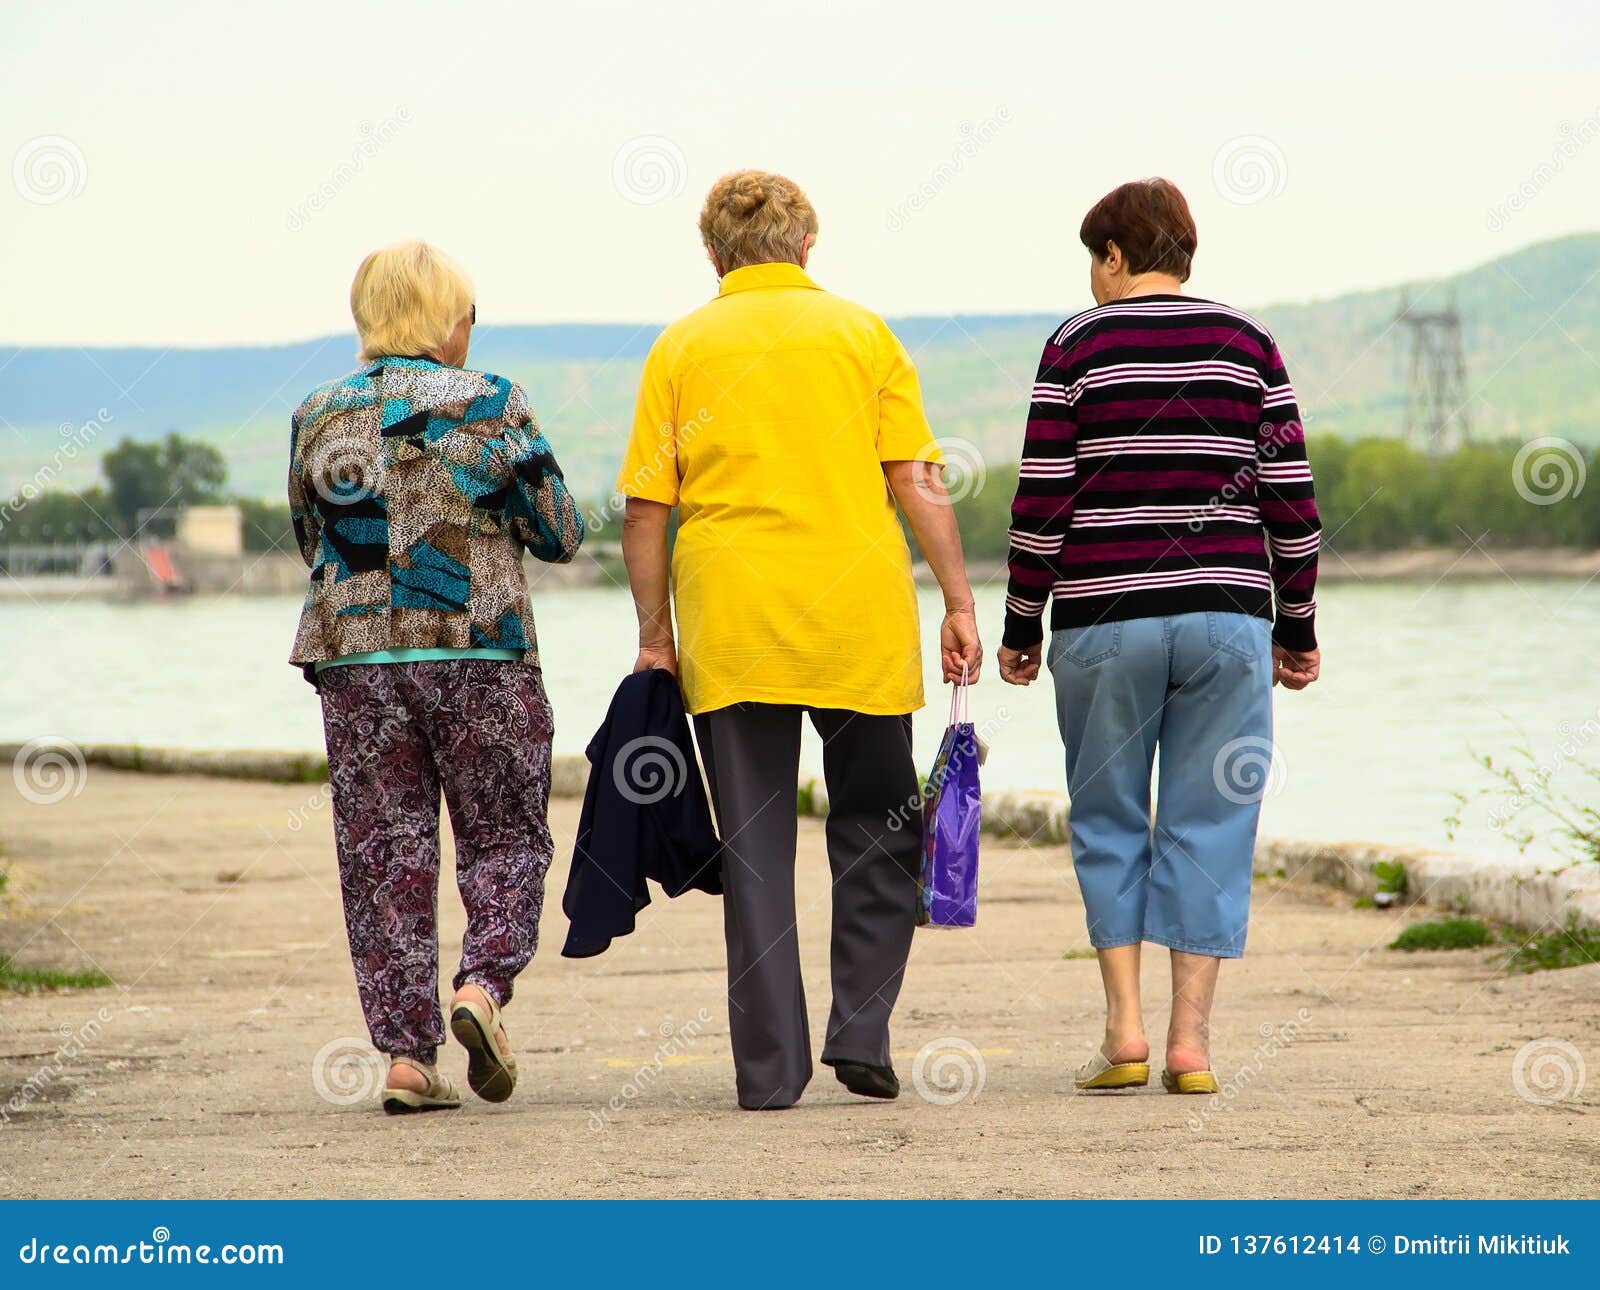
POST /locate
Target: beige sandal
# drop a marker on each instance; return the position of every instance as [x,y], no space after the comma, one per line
[492,1075]
[440,1095]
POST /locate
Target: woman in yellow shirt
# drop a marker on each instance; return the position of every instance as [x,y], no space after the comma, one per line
[785,424]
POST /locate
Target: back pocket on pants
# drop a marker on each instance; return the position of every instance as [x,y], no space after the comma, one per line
[1087,646]
[1242,635]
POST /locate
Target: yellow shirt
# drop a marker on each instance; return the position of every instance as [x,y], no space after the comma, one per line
[766,416]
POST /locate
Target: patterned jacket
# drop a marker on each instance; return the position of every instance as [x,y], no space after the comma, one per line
[414,488]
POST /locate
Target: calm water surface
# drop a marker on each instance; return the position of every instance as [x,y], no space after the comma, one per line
[1416,677]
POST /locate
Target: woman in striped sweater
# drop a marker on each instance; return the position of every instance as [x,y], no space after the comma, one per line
[1165,508]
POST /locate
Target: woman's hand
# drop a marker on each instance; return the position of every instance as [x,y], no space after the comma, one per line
[660,654]
[959,643]
[1020,666]
[1295,669]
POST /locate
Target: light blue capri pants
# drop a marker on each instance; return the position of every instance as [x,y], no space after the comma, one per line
[1198,687]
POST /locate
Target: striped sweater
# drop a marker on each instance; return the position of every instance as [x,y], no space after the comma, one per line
[1164,472]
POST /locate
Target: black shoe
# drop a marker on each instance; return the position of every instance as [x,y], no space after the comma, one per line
[868,1081]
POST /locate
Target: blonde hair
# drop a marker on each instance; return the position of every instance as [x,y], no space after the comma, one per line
[407,299]
[755,217]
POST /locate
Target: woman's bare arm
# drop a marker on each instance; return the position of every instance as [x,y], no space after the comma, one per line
[644,552]
[918,488]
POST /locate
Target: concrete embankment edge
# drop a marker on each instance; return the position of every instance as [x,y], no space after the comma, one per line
[1521,893]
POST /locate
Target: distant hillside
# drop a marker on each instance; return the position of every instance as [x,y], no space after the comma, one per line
[1533,322]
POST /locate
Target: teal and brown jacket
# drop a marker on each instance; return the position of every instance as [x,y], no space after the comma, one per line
[414,489]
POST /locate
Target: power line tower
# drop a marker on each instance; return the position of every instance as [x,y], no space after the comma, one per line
[1436,383]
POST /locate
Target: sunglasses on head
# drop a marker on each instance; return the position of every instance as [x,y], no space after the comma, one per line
[472,314]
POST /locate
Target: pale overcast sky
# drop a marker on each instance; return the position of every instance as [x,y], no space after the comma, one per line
[204,173]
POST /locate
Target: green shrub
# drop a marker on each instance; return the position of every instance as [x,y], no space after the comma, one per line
[1392,882]
[1572,947]
[1443,934]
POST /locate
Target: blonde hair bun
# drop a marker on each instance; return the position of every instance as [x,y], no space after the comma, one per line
[756,217]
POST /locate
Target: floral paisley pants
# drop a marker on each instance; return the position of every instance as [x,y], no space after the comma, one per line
[397,734]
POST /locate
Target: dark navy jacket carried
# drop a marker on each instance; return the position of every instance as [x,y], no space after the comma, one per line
[645,815]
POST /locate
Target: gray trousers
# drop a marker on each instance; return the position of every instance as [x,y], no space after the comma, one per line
[874,831]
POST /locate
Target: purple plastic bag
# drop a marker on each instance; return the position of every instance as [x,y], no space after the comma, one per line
[947,890]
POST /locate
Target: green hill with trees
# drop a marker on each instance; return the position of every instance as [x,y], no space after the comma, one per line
[1531,332]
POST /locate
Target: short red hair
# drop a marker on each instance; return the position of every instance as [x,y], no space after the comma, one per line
[1150,221]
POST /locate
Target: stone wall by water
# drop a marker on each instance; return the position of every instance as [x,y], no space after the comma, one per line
[1524,894]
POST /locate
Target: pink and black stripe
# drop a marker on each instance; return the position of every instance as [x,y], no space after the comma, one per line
[1163,472]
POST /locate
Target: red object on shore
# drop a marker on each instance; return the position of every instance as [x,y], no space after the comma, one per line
[159,561]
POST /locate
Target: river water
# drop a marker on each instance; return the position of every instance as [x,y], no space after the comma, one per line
[1417,676]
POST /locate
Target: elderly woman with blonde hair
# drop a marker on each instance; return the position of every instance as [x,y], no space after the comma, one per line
[415,486]
[786,426]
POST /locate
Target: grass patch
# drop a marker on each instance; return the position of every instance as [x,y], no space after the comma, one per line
[307,770]
[36,980]
[1571,948]
[1443,934]
[1079,954]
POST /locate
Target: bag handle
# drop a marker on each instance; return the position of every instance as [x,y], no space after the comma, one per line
[961,699]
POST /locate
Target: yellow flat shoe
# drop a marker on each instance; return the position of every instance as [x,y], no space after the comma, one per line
[1190,1082]
[1099,1075]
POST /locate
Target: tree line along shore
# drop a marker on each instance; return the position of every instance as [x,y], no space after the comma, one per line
[1376,495]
